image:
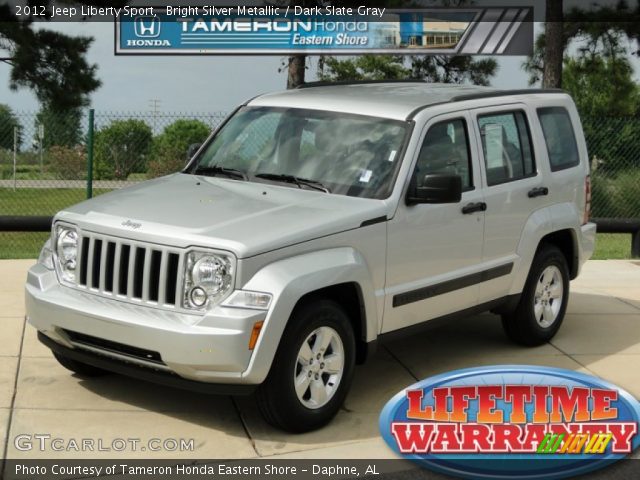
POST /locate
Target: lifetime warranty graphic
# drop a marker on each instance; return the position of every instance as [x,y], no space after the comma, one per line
[512,422]
[290,30]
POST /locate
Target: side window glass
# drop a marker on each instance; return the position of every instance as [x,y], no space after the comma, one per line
[559,137]
[446,150]
[506,144]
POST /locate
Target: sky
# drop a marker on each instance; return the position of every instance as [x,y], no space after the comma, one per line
[187,84]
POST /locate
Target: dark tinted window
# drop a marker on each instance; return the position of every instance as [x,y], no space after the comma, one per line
[506,144]
[559,137]
[446,150]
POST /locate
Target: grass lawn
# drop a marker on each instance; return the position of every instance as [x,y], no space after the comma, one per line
[612,246]
[40,201]
[33,201]
[48,201]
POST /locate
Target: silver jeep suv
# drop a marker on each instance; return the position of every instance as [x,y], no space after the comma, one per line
[313,224]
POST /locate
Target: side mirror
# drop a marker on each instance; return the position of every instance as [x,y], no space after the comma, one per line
[436,188]
[192,149]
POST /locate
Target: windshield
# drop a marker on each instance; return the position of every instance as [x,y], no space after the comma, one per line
[333,152]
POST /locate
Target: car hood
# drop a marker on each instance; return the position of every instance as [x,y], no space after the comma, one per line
[245,218]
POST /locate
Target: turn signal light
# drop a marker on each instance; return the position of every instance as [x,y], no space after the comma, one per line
[255,333]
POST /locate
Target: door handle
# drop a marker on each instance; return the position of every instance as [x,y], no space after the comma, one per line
[538,192]
[474,207]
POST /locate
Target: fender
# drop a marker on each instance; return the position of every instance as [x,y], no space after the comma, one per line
[538,225]
[290,279]
[541,223]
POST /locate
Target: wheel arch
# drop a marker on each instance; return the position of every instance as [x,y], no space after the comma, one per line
[567,242]
[340,274]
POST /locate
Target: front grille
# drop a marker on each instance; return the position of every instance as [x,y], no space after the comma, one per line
[129,270]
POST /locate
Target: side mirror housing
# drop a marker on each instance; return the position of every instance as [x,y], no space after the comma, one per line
[435,188]
[192,149]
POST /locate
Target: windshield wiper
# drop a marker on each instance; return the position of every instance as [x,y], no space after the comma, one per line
[300,182]
[217,170]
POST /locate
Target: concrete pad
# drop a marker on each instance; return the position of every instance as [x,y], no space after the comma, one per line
[374,448]
[623,293]
[8,372]
[468,338]
[215,434]
[13,274]
[427,366]
[4,428]
[44,384]
[12,303]
[608,274]
[597,303]
[373,385]
[11,328]
[635,303]
[599,334]
[618,369]
[31,346]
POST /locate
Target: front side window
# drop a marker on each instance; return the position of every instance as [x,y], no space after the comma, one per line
[446,150]
[559,137]
[506,145]
[344,154]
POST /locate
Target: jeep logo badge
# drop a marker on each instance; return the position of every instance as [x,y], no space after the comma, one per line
[130,224]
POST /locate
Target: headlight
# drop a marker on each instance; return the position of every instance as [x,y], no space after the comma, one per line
[66,252]
[46,255]
[208,278]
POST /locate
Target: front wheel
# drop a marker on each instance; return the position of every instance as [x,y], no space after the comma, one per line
[543,302]
[312,370]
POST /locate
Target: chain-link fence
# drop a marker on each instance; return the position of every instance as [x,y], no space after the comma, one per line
[43,161]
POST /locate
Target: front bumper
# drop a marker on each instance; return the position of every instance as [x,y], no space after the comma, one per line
[211,348]
[144,373]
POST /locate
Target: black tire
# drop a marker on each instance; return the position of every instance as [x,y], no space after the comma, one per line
[522,325]
[277,398]
[80,368]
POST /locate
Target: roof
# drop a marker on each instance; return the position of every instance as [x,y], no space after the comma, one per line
[395,100]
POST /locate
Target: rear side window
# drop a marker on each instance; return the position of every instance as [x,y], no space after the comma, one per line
[559,137]
[506,144]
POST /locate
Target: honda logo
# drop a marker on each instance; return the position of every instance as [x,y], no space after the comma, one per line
[147,27]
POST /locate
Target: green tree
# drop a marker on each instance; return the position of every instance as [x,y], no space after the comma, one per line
[365,67]
[51,64]
[61,129]
[8,123]
[602,85]
[121,149]
[437,68]
[170,147]
[457,69]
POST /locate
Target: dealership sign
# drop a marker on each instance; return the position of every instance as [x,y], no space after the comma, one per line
[328,30]
[512,422]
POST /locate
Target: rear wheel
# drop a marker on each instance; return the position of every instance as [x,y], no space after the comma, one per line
[543,302]
[312,370]
[80,368]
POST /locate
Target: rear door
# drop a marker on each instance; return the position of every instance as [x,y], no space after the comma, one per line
[513,190]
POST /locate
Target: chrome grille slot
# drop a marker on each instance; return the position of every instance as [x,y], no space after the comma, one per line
[129,270]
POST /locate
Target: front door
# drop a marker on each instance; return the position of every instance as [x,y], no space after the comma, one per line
[435,251]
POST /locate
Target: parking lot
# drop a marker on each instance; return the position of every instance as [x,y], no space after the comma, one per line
[600,335]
